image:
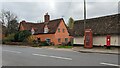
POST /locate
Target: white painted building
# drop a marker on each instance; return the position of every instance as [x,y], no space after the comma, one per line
[101,27]
[99,40]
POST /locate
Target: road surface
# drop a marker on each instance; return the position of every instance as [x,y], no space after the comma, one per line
[30,56]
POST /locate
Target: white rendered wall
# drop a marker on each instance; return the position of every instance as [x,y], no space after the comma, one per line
[99,40]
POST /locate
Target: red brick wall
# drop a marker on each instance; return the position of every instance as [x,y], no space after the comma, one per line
[21,27]
[62,35]
[43,37]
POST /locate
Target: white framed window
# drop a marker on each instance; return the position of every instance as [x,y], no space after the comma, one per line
[46,30]
[32,31]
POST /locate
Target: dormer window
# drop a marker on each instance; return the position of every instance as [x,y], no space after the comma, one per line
[32,31]
[46,29]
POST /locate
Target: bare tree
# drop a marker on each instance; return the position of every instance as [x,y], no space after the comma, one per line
[9,20]
[2,17]
[6,17]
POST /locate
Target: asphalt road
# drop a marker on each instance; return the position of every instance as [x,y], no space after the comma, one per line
[29,56]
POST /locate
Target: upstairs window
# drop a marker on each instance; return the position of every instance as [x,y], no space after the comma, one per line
[59,30]
[63,30]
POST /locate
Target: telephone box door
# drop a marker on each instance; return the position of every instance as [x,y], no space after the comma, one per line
[88,39]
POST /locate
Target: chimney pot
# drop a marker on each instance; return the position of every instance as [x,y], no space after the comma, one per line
[46,17]
[23,21]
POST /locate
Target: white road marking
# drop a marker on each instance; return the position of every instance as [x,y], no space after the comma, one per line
[12,51]
[109,64]
[60,57]
[40,55]
[53,56]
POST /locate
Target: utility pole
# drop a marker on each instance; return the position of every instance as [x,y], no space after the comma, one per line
[84,19]
[84,14]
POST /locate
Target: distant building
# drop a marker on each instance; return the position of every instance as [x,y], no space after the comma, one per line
[101,27]
[54,31]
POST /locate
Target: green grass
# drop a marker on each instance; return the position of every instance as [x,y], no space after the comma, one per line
[35,45]
[61,46]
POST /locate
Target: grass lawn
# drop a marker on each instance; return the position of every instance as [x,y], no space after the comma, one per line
[61,46]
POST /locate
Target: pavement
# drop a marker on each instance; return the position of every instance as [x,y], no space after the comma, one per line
[101,50]
[46,56]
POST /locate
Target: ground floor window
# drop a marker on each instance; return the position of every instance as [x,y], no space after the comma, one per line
[59,40]
[48,40]
[66,39]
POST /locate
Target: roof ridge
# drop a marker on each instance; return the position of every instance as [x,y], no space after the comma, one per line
[33,23]
[100,17]
[56,19]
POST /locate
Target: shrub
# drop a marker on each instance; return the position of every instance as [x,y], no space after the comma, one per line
[44,43]
[67,44]
[9,38]
[52,43]
[70,44]
[22,35]
[30,39]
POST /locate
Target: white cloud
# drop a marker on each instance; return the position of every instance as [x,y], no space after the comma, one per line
[58,0]
[34,11]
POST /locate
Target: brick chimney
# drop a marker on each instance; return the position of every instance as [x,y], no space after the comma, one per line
[23,21]
[46,18]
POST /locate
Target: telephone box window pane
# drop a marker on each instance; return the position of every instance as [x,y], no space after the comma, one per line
[87,40]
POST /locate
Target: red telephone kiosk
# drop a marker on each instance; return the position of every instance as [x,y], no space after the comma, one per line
[88,40]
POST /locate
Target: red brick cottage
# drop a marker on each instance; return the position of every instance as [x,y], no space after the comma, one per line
[54,31]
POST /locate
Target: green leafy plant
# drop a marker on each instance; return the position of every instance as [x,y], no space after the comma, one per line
[44,43]
[30,39]
[9,38]
[62,46]
[21,36]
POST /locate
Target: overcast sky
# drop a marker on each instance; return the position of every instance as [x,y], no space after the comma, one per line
[34,11]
